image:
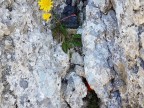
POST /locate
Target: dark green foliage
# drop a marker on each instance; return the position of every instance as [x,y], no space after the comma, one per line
[77,36]
[61,34]
[71,42]
[65,46]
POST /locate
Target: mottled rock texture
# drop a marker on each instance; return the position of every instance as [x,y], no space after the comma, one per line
[36,73]
[32,64]
[114,52]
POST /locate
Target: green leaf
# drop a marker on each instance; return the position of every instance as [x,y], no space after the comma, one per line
[65,47]
[77,43]
[63,30]
[70,44]
[77,36]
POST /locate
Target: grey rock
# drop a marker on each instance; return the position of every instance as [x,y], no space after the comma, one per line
[74,90]
[76,58]
[23,83]
[113,49]
[33,67]
[79,70]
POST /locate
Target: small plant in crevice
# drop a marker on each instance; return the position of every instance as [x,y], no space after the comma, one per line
[66,37]
[73,41]
[64,25]
[59,31]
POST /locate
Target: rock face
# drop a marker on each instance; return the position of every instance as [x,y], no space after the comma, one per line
[113,47]
[36,73]
[32,64]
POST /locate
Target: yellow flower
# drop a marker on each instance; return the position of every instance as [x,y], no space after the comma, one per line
[46,16]
[45,5]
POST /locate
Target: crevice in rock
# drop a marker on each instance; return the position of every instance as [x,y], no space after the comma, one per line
[141,63]
[86,84]
[92,101]
[16,106]
[73,13]
[73,65]
[68,105]
[140,31]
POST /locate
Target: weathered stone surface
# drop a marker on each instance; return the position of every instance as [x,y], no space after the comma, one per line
[3,30]
[36,73]
[74,90]
[32,64]
[77,59]
[113,48]
[80,70]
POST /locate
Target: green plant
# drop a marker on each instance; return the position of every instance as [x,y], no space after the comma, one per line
[73,41]
[59,31]
[61,34]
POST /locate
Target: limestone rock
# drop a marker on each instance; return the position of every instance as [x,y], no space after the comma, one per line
[79,70]
[36,73]
[31,64]
[113,49]
[3,30]
[77,59]
[74,91]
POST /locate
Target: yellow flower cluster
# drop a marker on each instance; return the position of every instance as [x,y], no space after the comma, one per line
[46,6]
